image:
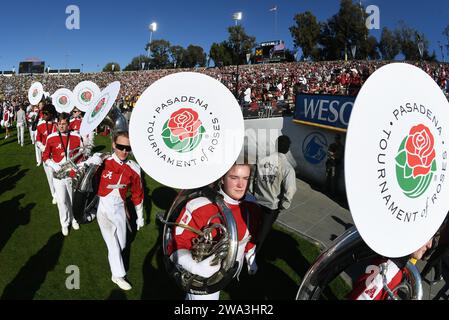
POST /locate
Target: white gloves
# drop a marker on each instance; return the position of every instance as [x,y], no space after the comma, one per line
[40,146]
[251,262]
[56,167]
[140,221]
[203,268]
[95,160]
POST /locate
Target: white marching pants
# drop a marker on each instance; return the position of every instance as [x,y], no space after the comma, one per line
[20,133]
[111,218]
[213,296]
[49,173]
[38,152]
[63,189]
[32,136]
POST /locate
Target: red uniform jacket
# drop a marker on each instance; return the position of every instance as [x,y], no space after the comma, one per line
[75,124]
[197,213]
[370,285]
[44,129]
[120,175]
[58,145]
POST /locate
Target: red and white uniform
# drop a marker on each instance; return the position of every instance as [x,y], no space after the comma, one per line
[370,286]
[75,124]
[197,213]
[43,130]
[58,149]
[8,114]
[116,178]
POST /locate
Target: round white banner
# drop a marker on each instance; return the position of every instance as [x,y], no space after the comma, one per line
[86,93]
[35,93]
[63,100]
[186,130]
[100,108]
[396,160]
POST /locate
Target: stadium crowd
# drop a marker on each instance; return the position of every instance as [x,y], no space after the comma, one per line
[257,85]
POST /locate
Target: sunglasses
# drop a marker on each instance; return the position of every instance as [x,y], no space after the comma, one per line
[123,147]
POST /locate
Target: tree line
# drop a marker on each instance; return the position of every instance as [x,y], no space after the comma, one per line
[337,38]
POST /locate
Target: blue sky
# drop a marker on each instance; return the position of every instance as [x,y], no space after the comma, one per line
[118,31]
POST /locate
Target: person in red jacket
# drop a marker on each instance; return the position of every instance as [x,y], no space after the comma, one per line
[370,286]
[58,150]
[75,120]
[46,127]
[118,175]
[197,214]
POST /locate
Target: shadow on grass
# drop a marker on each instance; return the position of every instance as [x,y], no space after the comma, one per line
[164,197]
[9,178]
[280,252]
[12,216]
[131,234]
[157,285]
[9,141]
[147,201]
[32,275]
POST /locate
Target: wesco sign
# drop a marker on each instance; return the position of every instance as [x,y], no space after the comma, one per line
[327,111]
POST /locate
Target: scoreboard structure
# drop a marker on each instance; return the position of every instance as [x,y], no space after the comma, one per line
[270,51]
[30,67]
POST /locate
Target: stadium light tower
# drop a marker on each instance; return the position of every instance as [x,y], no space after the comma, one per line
[421,48]
[153,28]
[442,52]
[238,16]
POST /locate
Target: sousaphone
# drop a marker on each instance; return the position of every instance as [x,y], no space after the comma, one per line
[186,132]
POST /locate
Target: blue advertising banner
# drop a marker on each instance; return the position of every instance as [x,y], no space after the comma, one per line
[331,112]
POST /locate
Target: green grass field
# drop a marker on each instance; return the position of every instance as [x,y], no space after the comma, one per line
[34,256]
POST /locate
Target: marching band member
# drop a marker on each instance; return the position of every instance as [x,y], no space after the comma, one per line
[370,286]
[75,125]
[8,114]
[75,120]
[118,174]
[57,151]
[197,214]
[37,119]
[45,128]
[31,116]
[21,124]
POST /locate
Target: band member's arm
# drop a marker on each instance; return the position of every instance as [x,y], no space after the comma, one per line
[195,215]
[289,187]
[255,221]
[39,140]
[95,160]
[202,268]
[46,157]
[137,195]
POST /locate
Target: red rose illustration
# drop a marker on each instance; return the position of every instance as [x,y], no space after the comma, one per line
[184,124]
[86,96]
[420,150]
[63,100]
